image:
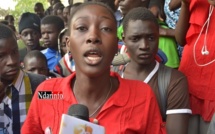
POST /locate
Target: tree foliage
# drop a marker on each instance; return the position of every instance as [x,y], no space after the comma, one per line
[3,13]
[26,6]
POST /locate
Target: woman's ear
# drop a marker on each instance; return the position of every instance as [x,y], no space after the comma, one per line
[67,43]
[123,38]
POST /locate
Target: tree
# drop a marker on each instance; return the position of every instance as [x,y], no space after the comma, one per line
[3,13]
[25,6]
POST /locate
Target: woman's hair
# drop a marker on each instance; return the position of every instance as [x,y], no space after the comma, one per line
[87,4]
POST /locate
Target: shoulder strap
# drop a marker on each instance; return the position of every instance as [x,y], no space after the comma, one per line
[35,80]
[164,75]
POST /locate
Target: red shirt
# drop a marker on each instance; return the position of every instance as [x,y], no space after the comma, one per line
[201,79]
[131,109]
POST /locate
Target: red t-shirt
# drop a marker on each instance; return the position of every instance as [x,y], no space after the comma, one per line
[131,109]
[201,79]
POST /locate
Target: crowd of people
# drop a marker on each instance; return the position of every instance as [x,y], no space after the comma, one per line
[143,66]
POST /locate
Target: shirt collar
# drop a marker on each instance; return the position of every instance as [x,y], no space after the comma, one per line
[18,80]
[119,98]
[52,50]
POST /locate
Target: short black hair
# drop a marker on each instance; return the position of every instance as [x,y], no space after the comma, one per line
[9,16]
[6,32]
[54,20]
[139,13]
[35,53]
[87,4]
[39,4]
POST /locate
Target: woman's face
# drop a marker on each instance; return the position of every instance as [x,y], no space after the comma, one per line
[93,39]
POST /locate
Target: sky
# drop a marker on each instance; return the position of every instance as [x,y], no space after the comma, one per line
[5,4]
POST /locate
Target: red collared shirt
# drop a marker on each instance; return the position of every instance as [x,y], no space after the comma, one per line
[131,109]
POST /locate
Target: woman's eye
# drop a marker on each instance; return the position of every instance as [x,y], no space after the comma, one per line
[82,28]
[107,29]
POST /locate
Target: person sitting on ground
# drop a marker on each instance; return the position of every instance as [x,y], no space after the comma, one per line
[141,36]
[50,29]
[120,105]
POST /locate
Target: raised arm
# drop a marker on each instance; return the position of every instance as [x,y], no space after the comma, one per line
[183,23]
[174,4]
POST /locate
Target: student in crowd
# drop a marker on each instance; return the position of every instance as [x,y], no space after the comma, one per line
[29,30]
[39,9]
[120,105]
[10,19]
[62,42]
[141,36]
[195,30]
[16,86]
[166,44]
[35,62]
[66,65]
[50,29]
[66,14]
[50,8]
[58,9]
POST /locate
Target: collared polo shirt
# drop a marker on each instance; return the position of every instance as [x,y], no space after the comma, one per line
[131,109]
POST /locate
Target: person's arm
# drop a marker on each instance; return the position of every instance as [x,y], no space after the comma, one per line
[183,23]
[177,123]
[178,107]
[174,4]
[167,32]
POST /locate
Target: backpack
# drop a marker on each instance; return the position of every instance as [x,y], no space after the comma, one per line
[35,80]
[164,75]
